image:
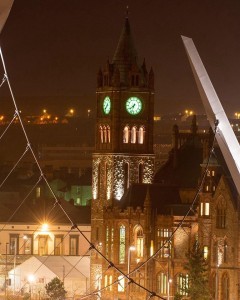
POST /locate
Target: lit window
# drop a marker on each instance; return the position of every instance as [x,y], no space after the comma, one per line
[43,245]
[122,242]
[73,249]
[101,133]
[133,135]
[38,192]
[108,134]
[121,283]
[204,208]
[14,244]
[213,173]
[163,242]
[205,252]
[126,135]
[141,135]
[27,244]
[58,245]
[182,284]
[104,134]
[162,283]
[139,242]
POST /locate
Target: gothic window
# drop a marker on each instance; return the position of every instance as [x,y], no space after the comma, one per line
[215,252]
[121,283]
[162,283]
[140,173]
[139,241]
[225,247]
[205,208]
[108,134]
[126,135]
[141,135]
[182,284]
[133,135]
[225,287]
[122,244]
[108,282]
[205,252]
[221,214]
[104,134]
[101,133]
[163,242]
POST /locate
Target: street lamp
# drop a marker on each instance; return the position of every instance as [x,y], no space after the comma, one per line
[131,248]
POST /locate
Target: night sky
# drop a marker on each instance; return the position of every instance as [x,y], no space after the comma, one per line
[54,48]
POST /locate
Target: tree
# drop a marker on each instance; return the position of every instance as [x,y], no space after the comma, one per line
[197,269]
[55,289]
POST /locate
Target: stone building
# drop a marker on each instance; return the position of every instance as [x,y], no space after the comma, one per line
[142,221]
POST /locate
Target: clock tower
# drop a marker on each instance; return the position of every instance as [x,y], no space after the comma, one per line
[123,136]
[124,126]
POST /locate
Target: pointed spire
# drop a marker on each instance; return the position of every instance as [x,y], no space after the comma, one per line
[125,55]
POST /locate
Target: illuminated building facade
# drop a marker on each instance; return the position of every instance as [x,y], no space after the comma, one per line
[135,211]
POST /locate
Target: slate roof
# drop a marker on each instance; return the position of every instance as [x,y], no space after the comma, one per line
[125,54]
[165,200]
[184,170]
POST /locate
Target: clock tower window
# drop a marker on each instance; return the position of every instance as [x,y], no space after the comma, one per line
[141,133]
[126,176]
[140,173]
[126,134]
[105,134]
[133,135]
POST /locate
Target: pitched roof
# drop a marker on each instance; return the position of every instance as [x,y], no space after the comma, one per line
[164,200]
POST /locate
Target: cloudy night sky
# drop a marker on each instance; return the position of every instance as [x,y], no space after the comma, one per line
[54,48]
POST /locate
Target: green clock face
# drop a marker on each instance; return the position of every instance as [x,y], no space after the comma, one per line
[106,105]
[133,105]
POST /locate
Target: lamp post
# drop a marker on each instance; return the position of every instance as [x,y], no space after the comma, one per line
[131,248]
[6,272]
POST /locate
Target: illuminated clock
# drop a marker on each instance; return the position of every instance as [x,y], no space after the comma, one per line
[133,105]
[106,105]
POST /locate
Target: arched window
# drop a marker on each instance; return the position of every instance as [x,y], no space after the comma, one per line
[225,287]
[141,133]
[225,251]
[140,173]
[182,284]
[104,134]
[139,241]
[162,283]
[121,283]
[122,244]
[101,133]
[126,135]
[108,134]
[221,213]
[133,135]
